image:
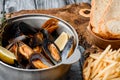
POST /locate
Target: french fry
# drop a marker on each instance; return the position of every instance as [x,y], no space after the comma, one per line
[108,60]
[96,71]
[101,56]
[94,56]
[116,78]
[106,75]
[86,62]
[106,69]
[88,68]
[103,66]
[117,55]
[99,78]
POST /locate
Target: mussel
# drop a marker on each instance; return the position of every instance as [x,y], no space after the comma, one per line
[49,47]
[22,52]
[13,44]
[50,25]
[68,49]
[16,29]
[39,61]
[27,29]
[52,51]
[36,40]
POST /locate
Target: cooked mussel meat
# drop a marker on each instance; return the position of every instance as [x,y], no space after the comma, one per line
[39,61]
[23,54]
[50,25]
[52,51]
[13,44]
[24,50]
[37,49]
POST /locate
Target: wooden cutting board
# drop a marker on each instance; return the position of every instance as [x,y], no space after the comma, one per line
[75,14]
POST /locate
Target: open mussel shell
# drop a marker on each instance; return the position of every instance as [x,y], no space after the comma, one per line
[52,51]
[50,25]
[23,53]
[6,33]
[68,49]
[39,37]
[39,61]
[16,29]
[13,48]
[36,40]
[24,49]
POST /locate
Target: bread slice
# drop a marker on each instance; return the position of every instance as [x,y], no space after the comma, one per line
[105,18]
[112,30]
[97,11]
[112,11]
[111,19]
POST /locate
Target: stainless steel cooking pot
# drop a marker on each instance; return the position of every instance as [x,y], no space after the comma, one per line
[8,72]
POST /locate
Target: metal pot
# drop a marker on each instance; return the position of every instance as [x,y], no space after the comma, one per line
[8,72]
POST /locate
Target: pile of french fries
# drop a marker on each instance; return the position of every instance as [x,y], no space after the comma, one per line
[103,65]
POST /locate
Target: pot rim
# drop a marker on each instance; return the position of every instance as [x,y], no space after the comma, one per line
[49,16]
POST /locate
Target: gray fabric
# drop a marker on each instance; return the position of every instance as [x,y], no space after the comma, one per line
[16,5]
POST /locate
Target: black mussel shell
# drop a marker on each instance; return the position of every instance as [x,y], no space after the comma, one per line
[45,33]
[27,29]
[36,40]
[10,32]
[68,49]
[15,29]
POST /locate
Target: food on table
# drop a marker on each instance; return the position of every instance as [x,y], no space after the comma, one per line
[103,65]
[62,40]
[50,25]
[35,47]
[105,18]
[68,49]
[7,56]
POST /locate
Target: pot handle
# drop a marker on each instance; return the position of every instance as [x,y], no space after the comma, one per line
[73,58]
